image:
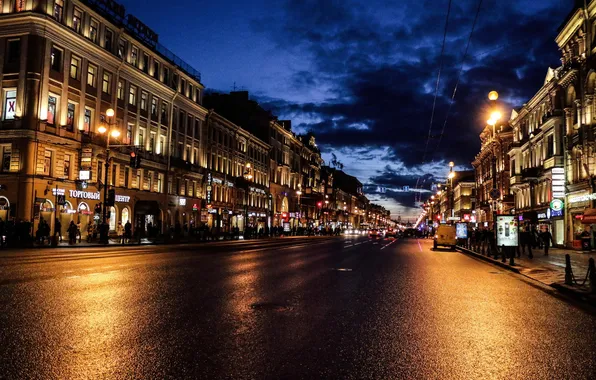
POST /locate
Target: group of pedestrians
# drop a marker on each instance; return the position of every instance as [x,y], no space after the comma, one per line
[530,238]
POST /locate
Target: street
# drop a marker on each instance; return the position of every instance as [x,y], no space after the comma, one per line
[342,308]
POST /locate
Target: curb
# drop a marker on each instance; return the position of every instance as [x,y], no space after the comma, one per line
[488,259]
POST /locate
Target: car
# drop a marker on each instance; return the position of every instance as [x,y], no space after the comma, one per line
[373,233]
[411,232]
[391,233]
[445,236]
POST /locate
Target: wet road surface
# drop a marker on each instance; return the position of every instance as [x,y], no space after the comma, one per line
[341,308]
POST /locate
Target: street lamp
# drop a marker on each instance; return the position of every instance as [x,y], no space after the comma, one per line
[109,131]
[299,193]
[248,177]
[495,116]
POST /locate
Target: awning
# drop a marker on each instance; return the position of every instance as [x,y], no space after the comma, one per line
[589,216]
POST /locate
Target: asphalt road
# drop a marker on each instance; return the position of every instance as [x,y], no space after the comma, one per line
[341,308]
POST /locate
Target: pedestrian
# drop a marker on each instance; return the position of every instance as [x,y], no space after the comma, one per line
[127,231]
[90,232]
[58,229]
[79,231]
[120,232]
[72,233]
[547,238]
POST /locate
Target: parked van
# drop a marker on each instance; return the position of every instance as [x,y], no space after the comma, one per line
[445,236]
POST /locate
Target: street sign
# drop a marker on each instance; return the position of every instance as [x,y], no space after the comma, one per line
[495,193]
[60,200]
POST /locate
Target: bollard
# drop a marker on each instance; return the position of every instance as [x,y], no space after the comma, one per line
[568,271]
[592,276]
[503,259]
[512,256]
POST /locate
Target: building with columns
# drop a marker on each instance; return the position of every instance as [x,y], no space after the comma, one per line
[65,63]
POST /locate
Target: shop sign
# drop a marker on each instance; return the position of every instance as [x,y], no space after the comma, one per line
[558,182]
[218,181]
[84,194]
[212,211]
[209,187]
[543,215]
[453,218]
[58,191]
[286,227]
[182,202]
[204,216]
[467,217]
[473,219]
[557,213]
[557,205]
[195,207]
[461,230]
[582,198]
[122,198]
[507,231]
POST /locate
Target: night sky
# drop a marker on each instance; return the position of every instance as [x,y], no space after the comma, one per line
[362,74]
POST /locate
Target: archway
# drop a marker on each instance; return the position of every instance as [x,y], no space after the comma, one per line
[4,208]
[284,204]
[125,215]
[112,220]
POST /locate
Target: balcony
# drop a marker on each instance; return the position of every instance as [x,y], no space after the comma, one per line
[554,161]
[93,138]
[515,180]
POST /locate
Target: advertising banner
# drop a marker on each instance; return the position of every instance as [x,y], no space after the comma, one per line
[507,231]
[461,230]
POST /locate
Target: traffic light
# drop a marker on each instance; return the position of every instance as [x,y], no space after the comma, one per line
[111,197]
[133,159]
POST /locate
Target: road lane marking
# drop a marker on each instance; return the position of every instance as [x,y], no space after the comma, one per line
[341,269]
[94,274]
[348,246]
[419,246]
[73,276]
[89,269]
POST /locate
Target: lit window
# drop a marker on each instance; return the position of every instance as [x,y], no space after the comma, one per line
[88,119]
[56,59]
[128,134]
[120,90]
[70,117]
[106,85]
[75,66]
[58,10]
[91,75]
[144,100]
[10,104]
[154,107]
[151,142]
[66,166]
[132,95]
[141,137]
[77,17]
[121,48]
[47,163]
[107,39]
[52,109]
[93,28]
[134,56]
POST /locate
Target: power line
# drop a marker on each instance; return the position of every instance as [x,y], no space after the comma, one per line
[432,115]
[459,75]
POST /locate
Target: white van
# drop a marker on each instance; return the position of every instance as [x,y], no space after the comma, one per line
[445,236]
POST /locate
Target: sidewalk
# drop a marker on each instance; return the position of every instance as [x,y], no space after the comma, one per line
[550,270]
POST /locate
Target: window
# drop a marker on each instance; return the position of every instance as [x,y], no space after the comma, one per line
[132,95]
[75,67]
[128,139]
[13,51]
[126,177]
[134,56]
[87,120]
[181,120]
[160,183]
[174,83]
[120,90]
[151,142]
[52,109]
[190,91]
[6,153]
[77,17]
[144,100]
[47,162]
[166,75]
[91,75]
[145,63]
[156,69]
[58,10]
[99,171]
[150,180]
[164,113]
[197,128]
[550,149]
[106,83]
[187,153]
[141,137]
[182,87]
[121,48]
[10,104]
[66,166]
[512,168]
[180,150]
[108,37]
[196,156]
[70,117]
[114,175]
[154,107]
[162,143]
[93,28]
[56,59]
[138,178]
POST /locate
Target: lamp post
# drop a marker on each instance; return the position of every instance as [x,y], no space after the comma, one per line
[109,131]
[494,118]
[298,194]
[326,210]
[248,177]
[450,194]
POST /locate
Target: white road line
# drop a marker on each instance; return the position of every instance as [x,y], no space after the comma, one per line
[106,267]
[73,276]
[89,269]
[348,246]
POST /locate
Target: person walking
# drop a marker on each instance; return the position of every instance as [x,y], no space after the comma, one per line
[127,231]
[72,233]
[547,238]
[58,229]
[120,232]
